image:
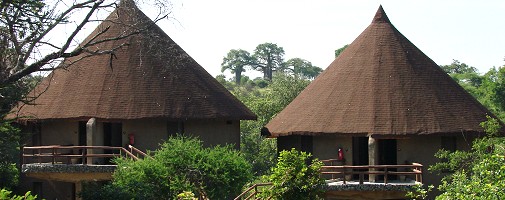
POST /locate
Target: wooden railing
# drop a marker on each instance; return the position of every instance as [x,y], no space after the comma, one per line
[251,192]
[138,153]
[72,154]
[386,171]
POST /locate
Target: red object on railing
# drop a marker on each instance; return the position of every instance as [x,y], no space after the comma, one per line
[340,154]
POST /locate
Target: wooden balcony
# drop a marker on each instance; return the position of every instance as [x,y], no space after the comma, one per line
[370,181]
[74,163]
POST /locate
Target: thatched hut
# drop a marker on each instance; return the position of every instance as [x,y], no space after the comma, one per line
[148,90]
[383,102]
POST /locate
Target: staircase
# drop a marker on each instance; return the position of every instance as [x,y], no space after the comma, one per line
[253,191]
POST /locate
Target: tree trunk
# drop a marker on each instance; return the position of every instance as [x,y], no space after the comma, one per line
[238,76]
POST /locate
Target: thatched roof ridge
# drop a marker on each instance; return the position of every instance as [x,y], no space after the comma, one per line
[382,84]
[151,77]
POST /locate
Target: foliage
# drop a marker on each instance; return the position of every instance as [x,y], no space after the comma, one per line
[7,195]
[340,50]
[302,68]
[235,61]
[478,173]
[182,165]
[13,93]
[293,178]
[418,192]
[268,57]
[9,151]
[186,196]
[266,103]
[488,89]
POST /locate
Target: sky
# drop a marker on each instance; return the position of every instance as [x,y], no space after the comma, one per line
[472,32]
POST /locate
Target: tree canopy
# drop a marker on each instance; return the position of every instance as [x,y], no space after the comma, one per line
[302,68]
[267,58]
[236,60]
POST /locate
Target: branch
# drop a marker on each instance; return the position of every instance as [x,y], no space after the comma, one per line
[57,21]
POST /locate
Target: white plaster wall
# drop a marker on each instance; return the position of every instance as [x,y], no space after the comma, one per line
[326,147]
[60,133]
[149,133]
[214,132]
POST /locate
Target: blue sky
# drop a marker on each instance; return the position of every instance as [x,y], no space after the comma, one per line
[470,31]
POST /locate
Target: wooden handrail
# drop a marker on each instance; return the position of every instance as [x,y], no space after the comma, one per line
[137,151]
[253,194]
[415,169]
[56,151]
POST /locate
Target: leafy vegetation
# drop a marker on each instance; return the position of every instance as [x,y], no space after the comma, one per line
[266,102]
[267,58]
[181,165]
[488,89]
[295,176]
[478,173]
[7,195]
[9,151]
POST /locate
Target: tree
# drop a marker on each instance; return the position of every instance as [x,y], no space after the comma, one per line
[293,178]
[339,51]
[465,75]
[235,61]
[268,57]
[9,151]
[28,30]
[457,67]
[302,68]
[478,173]
[266,103]
[181,165]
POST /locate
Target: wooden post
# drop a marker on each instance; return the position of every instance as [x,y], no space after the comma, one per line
[385,175]
[78,189]
[90,134]
[372,156]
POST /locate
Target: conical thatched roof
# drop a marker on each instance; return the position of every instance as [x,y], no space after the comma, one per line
[152,77]
[381,84]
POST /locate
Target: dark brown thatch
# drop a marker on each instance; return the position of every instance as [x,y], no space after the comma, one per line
[152,77]
[381,84]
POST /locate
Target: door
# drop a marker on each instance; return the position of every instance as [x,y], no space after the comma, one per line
[388,155]
[112,136]
[360,153]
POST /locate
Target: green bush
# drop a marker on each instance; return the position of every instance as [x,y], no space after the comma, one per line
[478,173]
[7,195]
[9,151]
[294,178]
[181,165]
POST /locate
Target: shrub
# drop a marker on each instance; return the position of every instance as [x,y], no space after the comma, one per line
[294,178]
[181,165]
[6,194]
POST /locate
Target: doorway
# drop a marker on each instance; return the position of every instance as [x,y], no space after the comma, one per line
[360,154]
[359,151]
[112,136]
[388,155]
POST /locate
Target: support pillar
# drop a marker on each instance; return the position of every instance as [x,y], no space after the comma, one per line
[90,134]
[78,190]
[373,159]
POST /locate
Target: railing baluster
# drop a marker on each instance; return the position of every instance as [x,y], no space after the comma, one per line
[54,150]
[385,175]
